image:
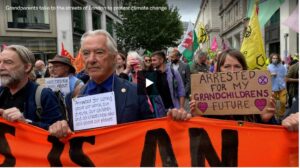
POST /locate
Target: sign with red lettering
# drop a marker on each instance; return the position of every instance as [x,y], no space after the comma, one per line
[231,93]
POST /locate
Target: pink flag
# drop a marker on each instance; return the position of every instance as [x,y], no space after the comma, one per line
[214,45]
[293,20]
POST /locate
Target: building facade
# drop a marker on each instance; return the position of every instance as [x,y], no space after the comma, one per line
[226,19]
[232,14]
[21,23]
[289,39]
[209,17]
[43,25]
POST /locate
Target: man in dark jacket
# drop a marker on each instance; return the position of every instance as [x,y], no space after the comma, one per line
[184,71]
[99,51]
[100,63]
[17,92]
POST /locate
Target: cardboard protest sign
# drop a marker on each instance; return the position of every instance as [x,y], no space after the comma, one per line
[94,111]
[232,93]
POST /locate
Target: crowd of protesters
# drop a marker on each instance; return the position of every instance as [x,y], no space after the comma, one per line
[107,69]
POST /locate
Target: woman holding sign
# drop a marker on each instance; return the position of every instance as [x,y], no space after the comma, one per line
[232,60]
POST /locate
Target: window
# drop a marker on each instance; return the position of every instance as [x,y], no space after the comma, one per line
[109,25]
[231,17]
[227,19]
[96,17]
[240,10]
[28,14]
[78,18]
[222,23]
[236,12]
[275,17]
[109,4]
[102,2]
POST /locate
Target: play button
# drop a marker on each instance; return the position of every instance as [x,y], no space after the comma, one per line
[148,82]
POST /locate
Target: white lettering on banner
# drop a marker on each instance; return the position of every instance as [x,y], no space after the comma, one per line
[94,111]
[56,84]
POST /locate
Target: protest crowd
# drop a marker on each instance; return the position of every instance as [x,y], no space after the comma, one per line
[105,69]
[103,86]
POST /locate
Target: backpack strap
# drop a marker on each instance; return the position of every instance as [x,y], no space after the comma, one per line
[62,104]
[38,95]
[78,81]
[1,91]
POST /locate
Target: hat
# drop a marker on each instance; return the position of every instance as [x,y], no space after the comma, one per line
[63,60]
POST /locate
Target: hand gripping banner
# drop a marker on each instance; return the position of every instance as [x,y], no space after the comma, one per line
[159,142]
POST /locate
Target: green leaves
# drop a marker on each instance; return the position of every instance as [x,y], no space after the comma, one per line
[150,24]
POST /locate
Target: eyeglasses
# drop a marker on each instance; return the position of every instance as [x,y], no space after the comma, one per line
[147,60]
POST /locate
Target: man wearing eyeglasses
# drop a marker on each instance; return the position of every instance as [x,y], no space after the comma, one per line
[62,67]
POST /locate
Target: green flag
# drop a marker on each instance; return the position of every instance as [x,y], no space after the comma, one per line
[189,43]
[266,8]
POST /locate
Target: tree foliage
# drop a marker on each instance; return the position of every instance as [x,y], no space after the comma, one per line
[148,24]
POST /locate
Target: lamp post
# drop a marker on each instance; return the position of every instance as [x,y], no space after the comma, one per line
[285,45]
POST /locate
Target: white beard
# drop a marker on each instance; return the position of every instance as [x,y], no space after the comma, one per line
[5,80]
[9,80]
[13,78]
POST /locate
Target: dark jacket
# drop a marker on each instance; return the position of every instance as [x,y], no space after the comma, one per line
[129,105]
[50,107]
[83,76]
[185,73]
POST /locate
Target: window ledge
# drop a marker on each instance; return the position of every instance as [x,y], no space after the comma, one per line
[27,30]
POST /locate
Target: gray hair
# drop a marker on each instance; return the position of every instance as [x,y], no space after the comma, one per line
[170,50]
[24,54]
[110,42]
[201,54]
[135,55]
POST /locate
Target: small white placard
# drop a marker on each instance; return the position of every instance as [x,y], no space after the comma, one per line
[56,84]
[94,111]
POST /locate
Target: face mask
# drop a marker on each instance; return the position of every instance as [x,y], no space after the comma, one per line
[175,61]
[275,62]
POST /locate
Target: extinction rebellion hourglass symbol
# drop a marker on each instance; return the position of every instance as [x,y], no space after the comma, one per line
[262,80]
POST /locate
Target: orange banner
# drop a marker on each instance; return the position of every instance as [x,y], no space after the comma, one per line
[159,142]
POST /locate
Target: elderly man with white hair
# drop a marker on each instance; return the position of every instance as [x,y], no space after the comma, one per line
[40,69]
[99,51]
